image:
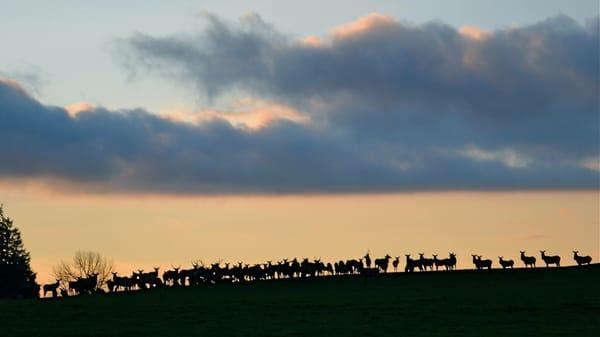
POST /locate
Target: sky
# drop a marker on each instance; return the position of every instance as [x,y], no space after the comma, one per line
[161,132]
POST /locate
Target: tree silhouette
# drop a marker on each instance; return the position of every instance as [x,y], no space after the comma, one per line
[16,277]
[83,265]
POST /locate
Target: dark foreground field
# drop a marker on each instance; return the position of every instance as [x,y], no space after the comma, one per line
[541,302]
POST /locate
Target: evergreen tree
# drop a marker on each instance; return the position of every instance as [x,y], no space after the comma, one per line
[17,280]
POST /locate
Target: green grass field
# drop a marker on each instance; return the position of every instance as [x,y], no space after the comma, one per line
[540,302]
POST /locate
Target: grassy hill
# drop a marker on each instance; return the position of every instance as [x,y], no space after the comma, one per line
[540,302]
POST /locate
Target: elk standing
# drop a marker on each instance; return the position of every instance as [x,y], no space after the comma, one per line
[581,260]
[52,287]
[383,263]
[550,259]
[395,263]
[528,260]
[425,262]
[506,263]
[367,260]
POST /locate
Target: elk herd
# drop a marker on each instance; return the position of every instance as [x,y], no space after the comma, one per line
[284,269]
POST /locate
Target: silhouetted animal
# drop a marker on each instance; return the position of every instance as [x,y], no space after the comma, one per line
[581,260]
[481,264]
[367,260]
[450,262]
[437,263]
[425,262]
[528,260]
[110,285]
[506,263]
[84,284]
[383,263]
[554,259]
[395,263]
[411,264]
[52,287]
[123,282]
[171,277]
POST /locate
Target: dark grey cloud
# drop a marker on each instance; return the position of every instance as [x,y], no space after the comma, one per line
[394,107]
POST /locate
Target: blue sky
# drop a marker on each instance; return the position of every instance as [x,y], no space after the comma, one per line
[278,98]
[207,129]
[64,48]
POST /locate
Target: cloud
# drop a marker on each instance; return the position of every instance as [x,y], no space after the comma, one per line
[377,105]
[363,25]
[507,157]
[247,113]
[76,108]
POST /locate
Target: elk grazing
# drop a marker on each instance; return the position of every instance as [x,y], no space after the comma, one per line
[383,263]
[548,260]
[581,260]
[52,287]
[505,263]
[395,263]
[528,260]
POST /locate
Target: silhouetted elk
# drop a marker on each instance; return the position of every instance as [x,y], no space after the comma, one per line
[412,264]
[171,277]
[52,287]
[425,262]
[437,263]
[529,261]
[367,260]
[449,262]
[383,263]
[553,259]
[329,268]
[84,285]
[147,280]
[481,264]
[506,263]
[110,285]
[395,263]
[581,260]
[126,283]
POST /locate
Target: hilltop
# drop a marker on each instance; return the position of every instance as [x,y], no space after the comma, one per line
[540,302]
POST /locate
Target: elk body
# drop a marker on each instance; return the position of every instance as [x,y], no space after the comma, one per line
[52,287]
[481,264]
[581,260]
[383,263]
[550,259]
[505,263]
[529,261]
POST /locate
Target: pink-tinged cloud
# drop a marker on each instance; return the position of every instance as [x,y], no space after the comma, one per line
[312,41]
[393,107]
[14,85]
[363,24]
[76,108]
[474,33]
[592,164]
[248,113]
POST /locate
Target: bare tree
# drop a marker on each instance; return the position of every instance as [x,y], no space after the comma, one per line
[84,264]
